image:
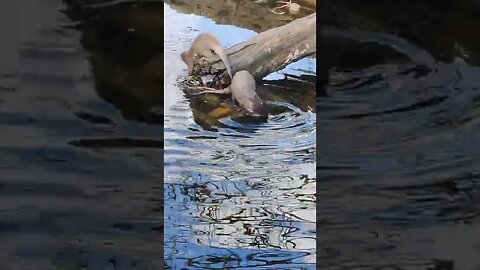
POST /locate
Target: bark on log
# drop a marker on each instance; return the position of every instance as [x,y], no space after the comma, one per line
[273,49]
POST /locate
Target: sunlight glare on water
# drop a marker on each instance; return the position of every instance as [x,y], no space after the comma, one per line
[244,192]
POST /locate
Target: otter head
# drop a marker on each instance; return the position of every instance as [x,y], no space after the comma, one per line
[255,106]
[259,107]
[188,60]
[183,55]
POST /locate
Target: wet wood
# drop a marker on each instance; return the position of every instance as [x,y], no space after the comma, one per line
[273,49]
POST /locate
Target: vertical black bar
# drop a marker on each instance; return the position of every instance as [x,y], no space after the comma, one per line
[320,90]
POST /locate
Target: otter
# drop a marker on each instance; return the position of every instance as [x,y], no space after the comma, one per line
[243,90]
[203,45]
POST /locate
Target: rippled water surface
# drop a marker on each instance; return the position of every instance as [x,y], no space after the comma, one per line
[82,103]
[80,171]
[239,194]
[399,136]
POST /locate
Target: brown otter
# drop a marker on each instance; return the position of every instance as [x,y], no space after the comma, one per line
[203,45]
[243,90]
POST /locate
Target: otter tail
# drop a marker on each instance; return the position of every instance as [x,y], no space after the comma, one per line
[218,49]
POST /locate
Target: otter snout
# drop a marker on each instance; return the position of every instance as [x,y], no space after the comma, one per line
[259,108]
[255,106]
[187,59]
[183,55]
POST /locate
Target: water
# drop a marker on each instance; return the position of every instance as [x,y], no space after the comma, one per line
[238,194]
[81,120]
[81,183]
[398,139]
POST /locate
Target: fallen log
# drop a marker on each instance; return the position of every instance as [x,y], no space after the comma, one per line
[269,51]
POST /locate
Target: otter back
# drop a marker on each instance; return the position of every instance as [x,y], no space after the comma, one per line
[243,90]
[203,45]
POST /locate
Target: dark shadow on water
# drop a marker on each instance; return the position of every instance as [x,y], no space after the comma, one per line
[79,182]
[81,153]
[399,119]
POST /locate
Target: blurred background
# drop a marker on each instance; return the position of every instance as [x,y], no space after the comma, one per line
[398,135]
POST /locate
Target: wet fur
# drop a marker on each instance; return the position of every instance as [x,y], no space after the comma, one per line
[203,45]
[243,90]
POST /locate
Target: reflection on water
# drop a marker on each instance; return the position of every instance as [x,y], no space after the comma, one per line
[80,151]
[76,190]
[399,140]
[238,193]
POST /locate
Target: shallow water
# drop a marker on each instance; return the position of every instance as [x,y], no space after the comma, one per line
[238,194]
